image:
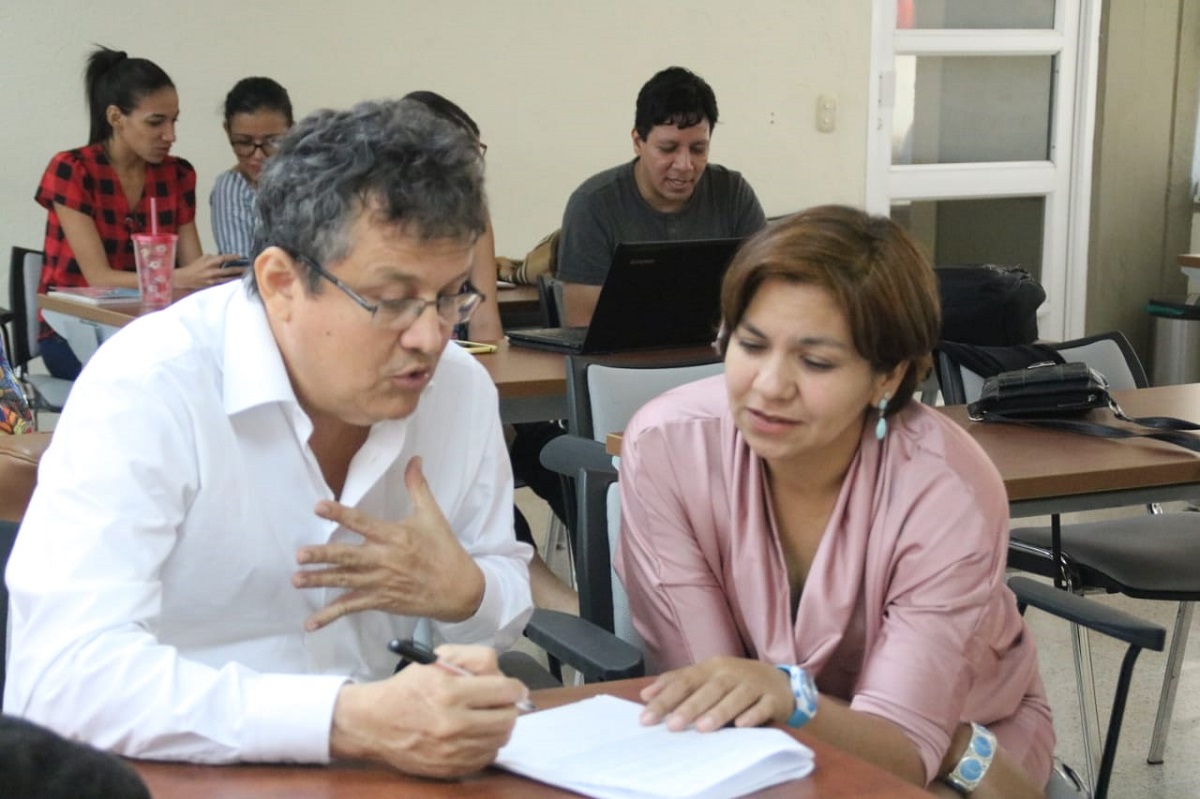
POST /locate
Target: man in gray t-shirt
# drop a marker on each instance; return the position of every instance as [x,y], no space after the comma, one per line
[668,193]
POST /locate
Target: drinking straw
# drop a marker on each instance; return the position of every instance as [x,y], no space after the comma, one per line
[153,216]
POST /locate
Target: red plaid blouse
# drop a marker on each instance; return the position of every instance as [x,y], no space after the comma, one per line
[85,181]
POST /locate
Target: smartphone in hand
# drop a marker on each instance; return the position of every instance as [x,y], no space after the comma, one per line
[239,263]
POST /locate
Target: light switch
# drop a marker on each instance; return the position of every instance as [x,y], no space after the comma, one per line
[826,113]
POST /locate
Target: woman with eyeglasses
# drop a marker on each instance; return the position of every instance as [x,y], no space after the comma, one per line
[99,195]
[258,113]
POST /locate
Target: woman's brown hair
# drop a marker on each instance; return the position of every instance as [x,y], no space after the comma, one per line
[871,267]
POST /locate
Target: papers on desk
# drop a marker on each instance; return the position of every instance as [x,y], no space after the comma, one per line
[97,295]
[597,747]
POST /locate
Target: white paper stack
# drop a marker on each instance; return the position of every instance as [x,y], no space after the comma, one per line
[598,747]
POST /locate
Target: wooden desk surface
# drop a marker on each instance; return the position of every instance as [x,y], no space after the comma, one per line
[838,774]
[523,372]
[116,314]
[518,372]
[518,299]
[1037,463]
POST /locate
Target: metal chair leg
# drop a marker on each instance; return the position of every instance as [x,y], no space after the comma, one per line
[1088,714]
[556,538]
[1166,699]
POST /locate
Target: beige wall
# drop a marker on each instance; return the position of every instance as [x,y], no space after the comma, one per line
[552,84]
[1145,134]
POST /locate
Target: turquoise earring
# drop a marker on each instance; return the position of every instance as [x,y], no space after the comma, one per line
[881,425]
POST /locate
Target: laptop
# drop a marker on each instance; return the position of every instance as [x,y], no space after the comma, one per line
[657,294]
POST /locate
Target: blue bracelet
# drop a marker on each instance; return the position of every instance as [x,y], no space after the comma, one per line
[804,689]
[974,763]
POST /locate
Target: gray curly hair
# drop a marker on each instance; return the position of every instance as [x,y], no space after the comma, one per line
[392,158]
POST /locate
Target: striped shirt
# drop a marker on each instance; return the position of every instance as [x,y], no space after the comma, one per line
[233,213]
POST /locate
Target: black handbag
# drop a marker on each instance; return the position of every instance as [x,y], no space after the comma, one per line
[1044,393]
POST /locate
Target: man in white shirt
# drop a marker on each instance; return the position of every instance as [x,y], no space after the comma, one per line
[251,492]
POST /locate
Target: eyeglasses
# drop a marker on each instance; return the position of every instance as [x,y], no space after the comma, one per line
[246,147]
[452,309]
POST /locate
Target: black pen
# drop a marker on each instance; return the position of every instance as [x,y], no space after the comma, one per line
[417,652]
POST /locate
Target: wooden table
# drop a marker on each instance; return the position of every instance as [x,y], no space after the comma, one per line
[518,302]
[1053,471]
[838,774]
[532,383]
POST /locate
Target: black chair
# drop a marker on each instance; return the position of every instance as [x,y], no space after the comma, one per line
[8,537]
[603,392]
[46,393]
[550,301]
[1151,556]
[1135,632]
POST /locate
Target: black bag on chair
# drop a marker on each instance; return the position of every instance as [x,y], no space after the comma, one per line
[989,305]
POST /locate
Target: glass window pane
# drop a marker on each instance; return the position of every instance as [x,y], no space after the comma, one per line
[975,14]
[1006,231]
[953,110]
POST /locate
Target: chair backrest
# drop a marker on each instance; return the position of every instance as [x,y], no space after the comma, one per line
[622,620]
[1109,353]
[550,301]
[603,393]
[601,398]
[25,272]
[8,537]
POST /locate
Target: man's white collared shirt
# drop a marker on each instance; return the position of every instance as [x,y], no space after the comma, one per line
[151,600]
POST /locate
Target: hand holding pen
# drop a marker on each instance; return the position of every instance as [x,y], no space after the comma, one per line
[423,721]
[415,652]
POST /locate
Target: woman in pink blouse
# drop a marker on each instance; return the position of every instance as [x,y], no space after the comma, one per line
[803,543]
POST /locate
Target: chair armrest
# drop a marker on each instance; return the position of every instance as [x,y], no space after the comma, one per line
[595,653]
[568,454]
[1086,613]
[19,457]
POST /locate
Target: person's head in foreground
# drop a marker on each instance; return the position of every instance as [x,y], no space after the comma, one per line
[368,217]
[36,763]
[840,562]
[864,302]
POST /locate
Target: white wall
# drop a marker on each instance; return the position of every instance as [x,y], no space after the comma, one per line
[551,83]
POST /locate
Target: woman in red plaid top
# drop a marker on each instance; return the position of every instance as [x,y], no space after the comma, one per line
[99,195]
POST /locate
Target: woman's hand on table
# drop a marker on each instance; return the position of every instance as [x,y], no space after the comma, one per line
[719,691]
[206,271]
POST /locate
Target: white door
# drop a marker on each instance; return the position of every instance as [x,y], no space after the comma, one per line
[981,142]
